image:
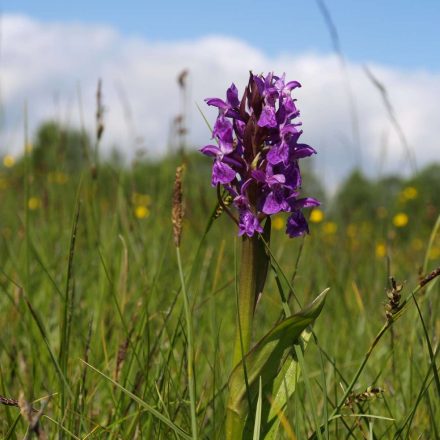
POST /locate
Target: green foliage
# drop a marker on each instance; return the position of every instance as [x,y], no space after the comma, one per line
[115,297]
[55,144]
[355,199]
[265,362]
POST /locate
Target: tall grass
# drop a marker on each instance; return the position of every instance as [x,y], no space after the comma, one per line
[93,317]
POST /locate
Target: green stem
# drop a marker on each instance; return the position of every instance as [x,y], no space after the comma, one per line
[190,349]
[246,298]
[247,295]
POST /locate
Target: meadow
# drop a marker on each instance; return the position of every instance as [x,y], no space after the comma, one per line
[94,331]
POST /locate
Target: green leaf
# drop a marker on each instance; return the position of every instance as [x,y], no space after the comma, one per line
[266,360]
[283,388]
[257,425]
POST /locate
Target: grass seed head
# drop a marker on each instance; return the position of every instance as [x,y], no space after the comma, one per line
[178,208]
[371,393]
[394,296]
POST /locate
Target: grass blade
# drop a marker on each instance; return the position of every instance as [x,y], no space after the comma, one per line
[145,405]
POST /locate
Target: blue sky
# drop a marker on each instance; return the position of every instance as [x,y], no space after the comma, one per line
[50,48]
[400,33]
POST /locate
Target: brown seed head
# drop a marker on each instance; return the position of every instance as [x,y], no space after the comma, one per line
[178,209]
[99,112]
[393,304]
[181,79]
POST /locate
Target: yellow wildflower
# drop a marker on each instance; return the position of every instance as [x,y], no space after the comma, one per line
[57,177]
[278,223]
[409,193]
[34,203]
[417,244]
[400,220]
[381,250]
[8,161]
[141,211]
[434,253]
[316,216]
[329,228]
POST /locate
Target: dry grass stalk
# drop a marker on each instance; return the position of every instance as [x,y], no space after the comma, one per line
[178,208]
[122,353]
[32,417]
[99,112]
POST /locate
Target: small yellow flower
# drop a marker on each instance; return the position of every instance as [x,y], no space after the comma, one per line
[329,228]
[400,220]
[434,253]
[34,203]
[8,161]
[409,193]
[57,177]
[61,178]
[141,211]
[278,223]
[316,216]
[381,250]
[417,244]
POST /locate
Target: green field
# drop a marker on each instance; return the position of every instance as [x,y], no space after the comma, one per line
[93,317]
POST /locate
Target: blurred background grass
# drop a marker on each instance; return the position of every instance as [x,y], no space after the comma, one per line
[111,296]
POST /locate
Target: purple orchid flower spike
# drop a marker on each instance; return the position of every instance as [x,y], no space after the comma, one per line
[257,153]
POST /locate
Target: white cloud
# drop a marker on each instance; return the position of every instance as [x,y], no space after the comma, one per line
[45,64]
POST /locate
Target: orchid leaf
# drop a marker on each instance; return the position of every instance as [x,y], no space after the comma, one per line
[283,388]
[266,360]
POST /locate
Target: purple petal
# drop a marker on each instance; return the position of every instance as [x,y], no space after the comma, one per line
[268,117]
[230,160]
[217,102]
[226,147]
[232,96]
[296,225]
[302,150]
[222,173]
[210,150]
[293,175]
[290,129]
[278,154]
[290,107]
[241,202]
[260,83]
[259,176]
[276,179]
[307,202]
[231,113]
[248,224]
[292,85]
[272,204]
[223,129]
